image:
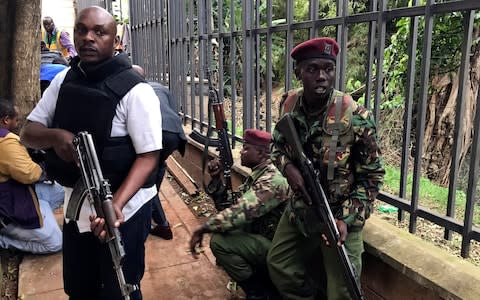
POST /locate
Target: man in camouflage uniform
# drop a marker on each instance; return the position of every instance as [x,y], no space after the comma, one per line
[242,233]
[339,137]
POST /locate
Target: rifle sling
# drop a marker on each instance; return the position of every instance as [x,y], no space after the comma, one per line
[334,142]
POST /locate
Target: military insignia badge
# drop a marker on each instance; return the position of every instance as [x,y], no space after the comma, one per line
[328,49]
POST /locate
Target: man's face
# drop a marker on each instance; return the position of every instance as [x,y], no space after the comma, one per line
[317,76]
[249,155]
[48,25]
[94,36]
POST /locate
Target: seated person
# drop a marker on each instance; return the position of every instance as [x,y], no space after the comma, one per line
[46,188]
[242,233]
[51,192]
[27,222]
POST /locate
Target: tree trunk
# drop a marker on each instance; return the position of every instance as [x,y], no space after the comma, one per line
[440,122]
[7,15]
[25,79]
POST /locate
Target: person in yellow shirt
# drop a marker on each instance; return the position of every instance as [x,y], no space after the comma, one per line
[27,223]
[57,40]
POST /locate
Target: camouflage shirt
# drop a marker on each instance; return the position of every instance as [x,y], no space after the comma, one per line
[354,170]
[260,204]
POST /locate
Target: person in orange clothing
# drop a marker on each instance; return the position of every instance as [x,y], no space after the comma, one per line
[27,223]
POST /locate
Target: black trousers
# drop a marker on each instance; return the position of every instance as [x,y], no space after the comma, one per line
[171,142]
[87,264]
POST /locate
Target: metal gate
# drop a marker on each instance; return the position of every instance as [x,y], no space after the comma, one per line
[176,41]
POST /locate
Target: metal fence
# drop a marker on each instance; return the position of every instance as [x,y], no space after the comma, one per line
[177,40]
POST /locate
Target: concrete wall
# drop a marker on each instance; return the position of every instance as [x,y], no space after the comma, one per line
[397,265]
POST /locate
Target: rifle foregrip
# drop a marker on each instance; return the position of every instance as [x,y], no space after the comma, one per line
[219,115]
[110,219]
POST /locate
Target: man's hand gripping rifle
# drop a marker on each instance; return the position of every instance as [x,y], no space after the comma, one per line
[97,190]
[222,143]
[315,194]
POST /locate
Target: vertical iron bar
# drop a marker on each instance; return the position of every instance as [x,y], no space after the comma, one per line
[247,68]
[268,74]
[156,49]
[144,34]
[233,71]
[201,57]
[342,36]
[142,30]
[181,107]
[162,44]
[257,87]
[140,35]
[407,116]
[171,40]
[468,19]
[472,183]
[163,41]
[174,67]
[151,54]
[221,69]
[288,48]
[372,27]
[191,50]
[132,19]
[382,24]
[313,10]
[209,48]
[421,113]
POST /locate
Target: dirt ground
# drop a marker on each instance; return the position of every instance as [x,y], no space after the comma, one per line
[10,261]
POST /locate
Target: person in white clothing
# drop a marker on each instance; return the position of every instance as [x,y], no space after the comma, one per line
[101,94]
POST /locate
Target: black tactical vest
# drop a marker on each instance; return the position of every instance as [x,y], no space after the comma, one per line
[87,101]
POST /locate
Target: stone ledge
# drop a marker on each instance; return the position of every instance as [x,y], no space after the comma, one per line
[450,277]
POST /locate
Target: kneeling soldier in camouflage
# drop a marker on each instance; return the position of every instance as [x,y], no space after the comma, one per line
[243,232]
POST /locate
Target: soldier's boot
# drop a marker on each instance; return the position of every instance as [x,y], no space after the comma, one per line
[252,288]
[256,288]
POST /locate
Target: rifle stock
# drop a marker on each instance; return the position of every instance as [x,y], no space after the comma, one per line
[97,190]
[315,193]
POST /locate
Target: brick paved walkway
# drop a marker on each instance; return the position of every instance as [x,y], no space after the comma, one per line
[171,272]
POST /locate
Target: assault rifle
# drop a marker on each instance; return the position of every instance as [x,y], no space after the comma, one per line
[97,190]
[222,143]
[316,196]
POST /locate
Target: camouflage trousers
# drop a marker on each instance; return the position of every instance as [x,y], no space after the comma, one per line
[240,253]
[298,271]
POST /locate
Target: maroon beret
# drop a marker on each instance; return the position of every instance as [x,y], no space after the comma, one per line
[257,137]
[323,47]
